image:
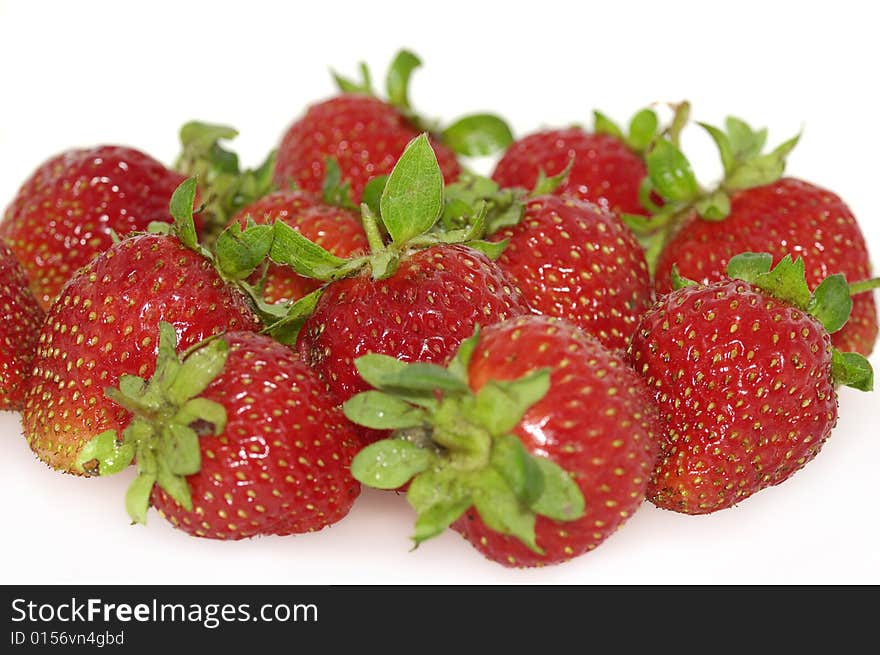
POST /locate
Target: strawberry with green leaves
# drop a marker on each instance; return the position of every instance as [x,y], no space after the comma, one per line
[67,211]
[606,166]
[104,325]
[744,372]
[236,438]
[366,135]
[414,298]
[535,443]
[22,317]
[755,209]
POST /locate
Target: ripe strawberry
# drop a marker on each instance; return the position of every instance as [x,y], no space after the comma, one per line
[366,135]
[103,326]
[539,447]
[744,373]
[606,166]
[574,260]
[277,460]
[336,229]
[21,319]
[65,213]
[786,217]
[420,313]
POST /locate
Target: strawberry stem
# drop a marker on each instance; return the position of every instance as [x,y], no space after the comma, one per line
[863,286]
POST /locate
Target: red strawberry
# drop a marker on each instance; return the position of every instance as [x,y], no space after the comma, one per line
[786,217]
[277,460]
[65,213]
[744,373]
[366,135]
[363,134]
[538,449]
[336,229]
[103,326]
[574,260]
[420,313]
[604,169]
[21,316]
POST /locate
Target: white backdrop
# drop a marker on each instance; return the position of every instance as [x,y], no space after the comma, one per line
[83,73]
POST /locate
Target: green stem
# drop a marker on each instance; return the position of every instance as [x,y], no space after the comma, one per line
[864,285]
[371,228]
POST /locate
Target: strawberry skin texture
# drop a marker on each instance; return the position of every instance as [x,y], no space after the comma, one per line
[788,217]
[64,213]
[105,324]
[574,260]
[605,170]
[282,465]
[743,382]
[597,422]
[335,229]
[365,136]
[421,313]
[21,319]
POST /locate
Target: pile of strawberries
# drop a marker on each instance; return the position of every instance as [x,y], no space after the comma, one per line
[526,357]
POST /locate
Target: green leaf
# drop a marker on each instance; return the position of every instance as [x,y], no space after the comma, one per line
[679,282]
[180,450]
[500,405]
[500,509]
[786,281]
[749,265]
[671,173]
[175,486]
[478,135]
[492,249]
[137,498]
[197,371]
[372,194]
[852,370]
[715,206]
[286,329]
[365,86]
[413,196]
[181,208]
[744,141]
[831,302]
[397,80]
[439,498]
[389,464]
[642,130]
[104,455]
[458,365]
[291,248]
[604,125]
[756,172]
[725,149]
[384,372]
[381,411]
[546,185]
[335,191]
[239,252]
[561,498]
[433,520]
[202,409]
[521,471]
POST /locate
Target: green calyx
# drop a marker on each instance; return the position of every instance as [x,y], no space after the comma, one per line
[456,447]
[644,127]
[830,303]
[225,186]
[168,415]
[474,135]
[671,176]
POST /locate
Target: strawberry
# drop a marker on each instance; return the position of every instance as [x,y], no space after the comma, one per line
[538,446]
[104,325]
[337,229]
[744,372]
[366,135]
[786,217]
[606,166]
[67,211]
[753,209]
[21,317]
[574,260]
[245,441]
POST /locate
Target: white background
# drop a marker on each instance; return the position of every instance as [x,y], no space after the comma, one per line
[83,73]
